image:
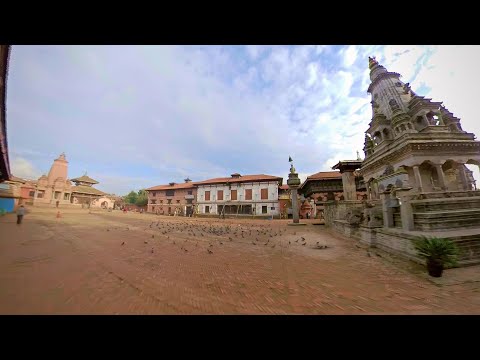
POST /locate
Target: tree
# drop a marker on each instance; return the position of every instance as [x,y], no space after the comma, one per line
[131,198]
[142,198]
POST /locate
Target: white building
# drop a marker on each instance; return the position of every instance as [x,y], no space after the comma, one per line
[239,195]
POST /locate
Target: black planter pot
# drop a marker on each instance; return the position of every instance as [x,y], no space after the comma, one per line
[435,268]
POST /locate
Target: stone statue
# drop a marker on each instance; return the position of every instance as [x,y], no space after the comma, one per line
[292,169]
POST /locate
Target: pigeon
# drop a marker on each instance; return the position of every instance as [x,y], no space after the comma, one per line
[108,229]
[297,240]
[303,238]
[152,250]
[304,244]
[289,242]
[209,251]
[123,243]
[378,254]
[153,236]
[253,242]
[221,243]
[273,246]
[145,242]
[185,250]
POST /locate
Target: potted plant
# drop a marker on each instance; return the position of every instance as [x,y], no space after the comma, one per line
[438,252]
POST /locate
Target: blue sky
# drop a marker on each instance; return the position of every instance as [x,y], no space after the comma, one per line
[139,116]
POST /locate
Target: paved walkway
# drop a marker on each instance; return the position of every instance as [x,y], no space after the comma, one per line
[78,265]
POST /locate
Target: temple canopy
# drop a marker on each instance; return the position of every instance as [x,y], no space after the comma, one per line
[84,179]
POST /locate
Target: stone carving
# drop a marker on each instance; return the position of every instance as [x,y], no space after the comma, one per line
[406,88]
[389,170]
[372,215]
[354,217]
[394,105]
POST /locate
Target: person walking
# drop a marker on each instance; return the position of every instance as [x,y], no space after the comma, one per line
[20,213]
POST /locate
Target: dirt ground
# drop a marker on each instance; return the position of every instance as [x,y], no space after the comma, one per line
[115,263]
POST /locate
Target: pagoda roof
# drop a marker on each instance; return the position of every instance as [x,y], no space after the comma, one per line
[82,189]
[85,179]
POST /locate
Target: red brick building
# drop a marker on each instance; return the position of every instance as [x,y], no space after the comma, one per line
[172,199]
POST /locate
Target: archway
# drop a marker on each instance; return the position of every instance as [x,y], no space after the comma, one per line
[474,166]
[429,177]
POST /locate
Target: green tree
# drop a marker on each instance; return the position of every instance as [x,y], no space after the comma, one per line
[142,198]
[131,198]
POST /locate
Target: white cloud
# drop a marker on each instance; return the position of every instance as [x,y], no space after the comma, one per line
[350,55]
[160,114]
[22,168]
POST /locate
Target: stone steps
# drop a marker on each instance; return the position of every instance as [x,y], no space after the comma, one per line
[455,219]
[469,247]
[446,204]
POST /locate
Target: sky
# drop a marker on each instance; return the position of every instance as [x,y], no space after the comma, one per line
[138,116]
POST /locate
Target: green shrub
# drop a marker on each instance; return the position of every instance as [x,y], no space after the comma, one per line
[437,249]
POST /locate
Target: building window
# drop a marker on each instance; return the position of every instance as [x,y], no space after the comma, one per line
[207,209]
[161,201]
[170,192]
[220,194]
[153,208]
[57,195]
[178,201]
[169,201]
[248,194]
[154,201]
[264,194]
[264,209]
[154,193]
[190,192]
[40,194]
[233,194]
[66,196]
[31,194]
[207,195]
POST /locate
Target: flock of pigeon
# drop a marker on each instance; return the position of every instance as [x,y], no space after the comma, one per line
[189,235]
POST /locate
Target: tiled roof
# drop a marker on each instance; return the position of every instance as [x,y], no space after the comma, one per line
[244,178]
[188,185]
[82,189]
[17,179]
[85,178]
[325,175]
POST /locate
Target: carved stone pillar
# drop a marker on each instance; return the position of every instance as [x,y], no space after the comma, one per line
[418,178]
[441,176]
[463,177]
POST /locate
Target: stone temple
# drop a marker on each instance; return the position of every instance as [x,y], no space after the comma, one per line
[415,174]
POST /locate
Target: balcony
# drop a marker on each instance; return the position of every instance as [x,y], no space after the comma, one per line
[189,197]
